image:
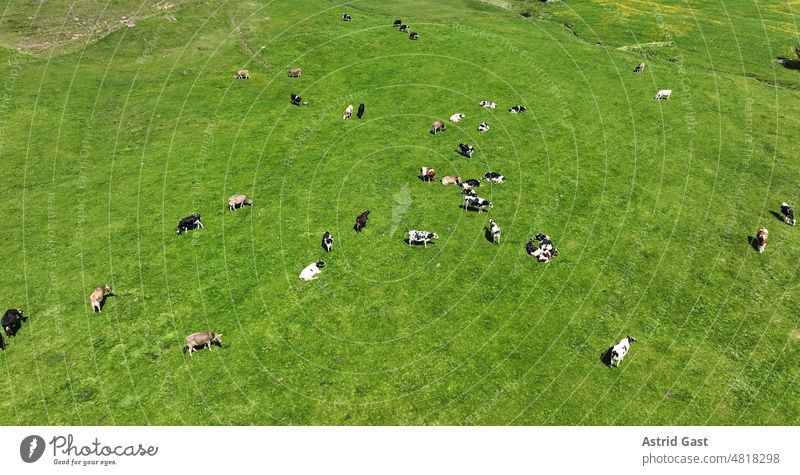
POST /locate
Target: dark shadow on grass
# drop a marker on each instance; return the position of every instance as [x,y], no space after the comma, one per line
[105,298]
[777,215]
[488,235]
[430,243]
[789,63]
[605,358]
[753,242]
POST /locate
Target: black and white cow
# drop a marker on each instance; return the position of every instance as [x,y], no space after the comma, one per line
[397,23]
[346,17]
[469,192]
[494,230]
[494,177]
[619,350]
[545,252]
[413,36]
[483,127]
[327,241]
[416,237]
[517,109]
[312,271]
[295,99]
[639,68]
[488,104]
[531,248]
[466,149]
[189,222]
[404,28]
[11,321]
[476,202]
[471,183]
[788,214]
[360,110]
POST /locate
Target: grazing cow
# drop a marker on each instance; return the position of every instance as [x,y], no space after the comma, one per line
[98,297]
[619,350]
[237,201]
[517,109]
[189,222]
[466,149]
[416,237]
[242,74]
[404,28]
[295,72]
[788,214]
[361,221]
[413,36]
[456,117]
[639,68]
[471,183]
[663,94]
[438,126]
[360,110]
[494,230]
[201,339]
[312,271]
[295,99]
[397,23]
[488,104]
[346,17]
[476,202]
[761,239]
[483,127]
[494,177]
[348,112]
[11,321]
[451,180]
[327,241]
[427,174]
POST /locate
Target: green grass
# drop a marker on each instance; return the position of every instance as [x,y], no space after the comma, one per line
[107,142]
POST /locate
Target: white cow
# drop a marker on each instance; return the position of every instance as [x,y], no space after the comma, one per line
[663,94]
[494,229]
[456,117]
[348,112]
[620,350]
[312,271]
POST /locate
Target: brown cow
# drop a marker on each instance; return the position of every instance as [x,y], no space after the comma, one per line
[451,180]
[237,201]
[98,296]
[242,74]
[361,221]
[427,174]
[201,339]
[295,72]
[437,127]
[761,239]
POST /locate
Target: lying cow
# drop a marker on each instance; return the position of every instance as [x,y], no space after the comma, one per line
[99,295]
[456,117]
[361,221]
[346,17]
[397,23]
[531,248]
[327,241]
[517,109]
[476,202]
[416,237]
[761,239]
[545,252]
[348,112]
[437,127]
[295,72]
[488,104]
[471,183]
[189,222]
[404,28]
[360,110]
[639,68]
[237,201]
[663,94]
[788,214]
[312,271]
[619,350]
[466,149]
[201,339]
[483,127]
[11,321]
[413,36]
[494,177]
[427,174]
[494,230]
[451,180]
[295,99]
[242,74]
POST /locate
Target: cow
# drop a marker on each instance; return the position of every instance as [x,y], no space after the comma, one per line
[397,23]
[761,239]
[476,202]
[242,74]
[494,177]
[545,252]
[360,110]
[295,72]
[488,104]
[11,321]
[295,99]
[531,248]
[99,295]
[466,149]
[619,350]
[663,94]
[517,109]
[312,271]
[361,221]
[189,222]
[639,68]
[438,126]
[413,36]
[348,112]
[237,201]
[788,214]
[483,127]
[471,183]
[327,241]
[346,17]
[469,192]
[201,339]
[427,174]
[416,237]
[494,230]
[404,28]
[456,117]
[451,180]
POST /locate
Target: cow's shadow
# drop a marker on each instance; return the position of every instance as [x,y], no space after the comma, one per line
[487,233]
[407,241]
[605,357]
[778,216]
[753,242]
[105,300]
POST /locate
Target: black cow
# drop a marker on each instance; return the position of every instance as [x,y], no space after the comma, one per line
[11,321]
[360,110]
[361,221]
[295,99]
[327,241]
[189,222]
[397,23]
[466,150]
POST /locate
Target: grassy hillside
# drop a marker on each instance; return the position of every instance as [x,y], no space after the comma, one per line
[108,140]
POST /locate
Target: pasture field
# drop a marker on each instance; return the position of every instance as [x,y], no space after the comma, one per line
[119,118]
